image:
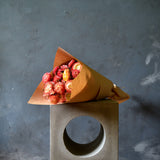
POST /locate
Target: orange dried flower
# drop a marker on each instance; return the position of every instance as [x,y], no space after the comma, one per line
[66,74]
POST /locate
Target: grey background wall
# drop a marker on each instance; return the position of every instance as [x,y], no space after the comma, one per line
[119,39]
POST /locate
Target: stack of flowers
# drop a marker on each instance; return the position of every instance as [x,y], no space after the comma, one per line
[58,83]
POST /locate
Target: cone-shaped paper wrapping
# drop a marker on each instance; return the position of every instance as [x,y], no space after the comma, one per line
[88,85]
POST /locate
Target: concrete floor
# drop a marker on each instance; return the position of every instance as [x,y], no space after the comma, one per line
[119,39]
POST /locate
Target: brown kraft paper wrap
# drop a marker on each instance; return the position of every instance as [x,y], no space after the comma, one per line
[88,85]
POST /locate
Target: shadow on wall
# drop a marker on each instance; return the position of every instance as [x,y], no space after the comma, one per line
[146,108]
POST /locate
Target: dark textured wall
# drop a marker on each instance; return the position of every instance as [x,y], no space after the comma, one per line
[119,39]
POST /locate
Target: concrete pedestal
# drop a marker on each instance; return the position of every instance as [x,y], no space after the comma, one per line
[106,145]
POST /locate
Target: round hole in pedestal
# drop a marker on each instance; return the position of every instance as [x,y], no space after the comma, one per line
[84,136]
